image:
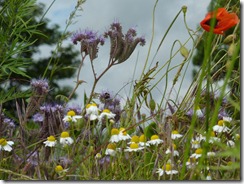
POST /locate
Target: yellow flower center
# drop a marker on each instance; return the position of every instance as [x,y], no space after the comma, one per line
[135,139]
[111,146]
[59,168]
[142,138]
[154,137]
[114,131]
[175,132]
[71,113]
[174,146]
[64,135]
[51,138]
[122,130]
[89,105]
[106,110]
[195,142]
[3,142]
[168,167]
[212,134]
[221,122]
[198,151]
[134,146]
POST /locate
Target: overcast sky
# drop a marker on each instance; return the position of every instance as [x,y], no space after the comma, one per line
[99,14]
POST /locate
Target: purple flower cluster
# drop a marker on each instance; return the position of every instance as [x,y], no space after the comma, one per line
[40,86]
[89,41]
[122,46]
[7,126]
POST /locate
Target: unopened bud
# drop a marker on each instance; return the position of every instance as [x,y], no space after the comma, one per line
[184,9]
[152,105]
[229,39]
[184,52]
[231,49]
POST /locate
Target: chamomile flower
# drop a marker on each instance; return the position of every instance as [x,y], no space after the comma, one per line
[220,127]
[60,170]
[50,142]
[134,139]
[209,176]
[6,145]
[213,138]
[92,111]
[155,140]
[71,116]
[226,118]
[195,142]
[175,135]
[114,135]
[134,147]
[65,139]
[197,154]
[111,149]
[143,141]
[211,154]
[166,169]
[106,113]
[169,150]
[123,135]
[191,163]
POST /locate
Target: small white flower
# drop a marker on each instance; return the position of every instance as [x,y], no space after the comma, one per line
[6,145]
[123,135]
[220,127]
[228,119]
[211,154]
[209,177]
[50,142]
[197,154]
[65,139]
[230,143]
[175,135]
[71,116]
[106,113]
[134,147]
[191,163]
[93,111]
[175,153]
[155,140]
[199,113]
[167,169]
[114,135]
[111,149]
[143,141]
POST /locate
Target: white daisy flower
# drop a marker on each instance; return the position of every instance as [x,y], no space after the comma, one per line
[123,135]
[220,127]
[6,145]
[114,135]
[65,139]
[92,110]
[211,154]
[197,154]
[228,119]
[191,163]
[155,140]
[213,138]
[71,116]
[175,135]
[111,149]
[134,139]
[134,147]
[199,113]
[175,153]
[167,169]
[106,113]
[230,143]
[209,177]
[143,141]
[50,142]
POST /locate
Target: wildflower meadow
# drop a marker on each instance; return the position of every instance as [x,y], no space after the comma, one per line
[104,135]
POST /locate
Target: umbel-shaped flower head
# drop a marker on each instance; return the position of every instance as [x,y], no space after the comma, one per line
[122,46]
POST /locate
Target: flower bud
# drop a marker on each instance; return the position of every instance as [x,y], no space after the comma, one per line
[229,39]
[152,105]
[184,9]
[184,52]
[231,49]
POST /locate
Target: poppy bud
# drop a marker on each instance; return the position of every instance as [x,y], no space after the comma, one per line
[184,52]
[152,105]
[229,39]
[231,49]
[184,9]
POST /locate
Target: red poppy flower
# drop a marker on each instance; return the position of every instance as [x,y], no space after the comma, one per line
[224,21]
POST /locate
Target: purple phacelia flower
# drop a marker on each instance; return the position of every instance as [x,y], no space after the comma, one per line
[89,41]
[50,108]
[38,117]
[40,86]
